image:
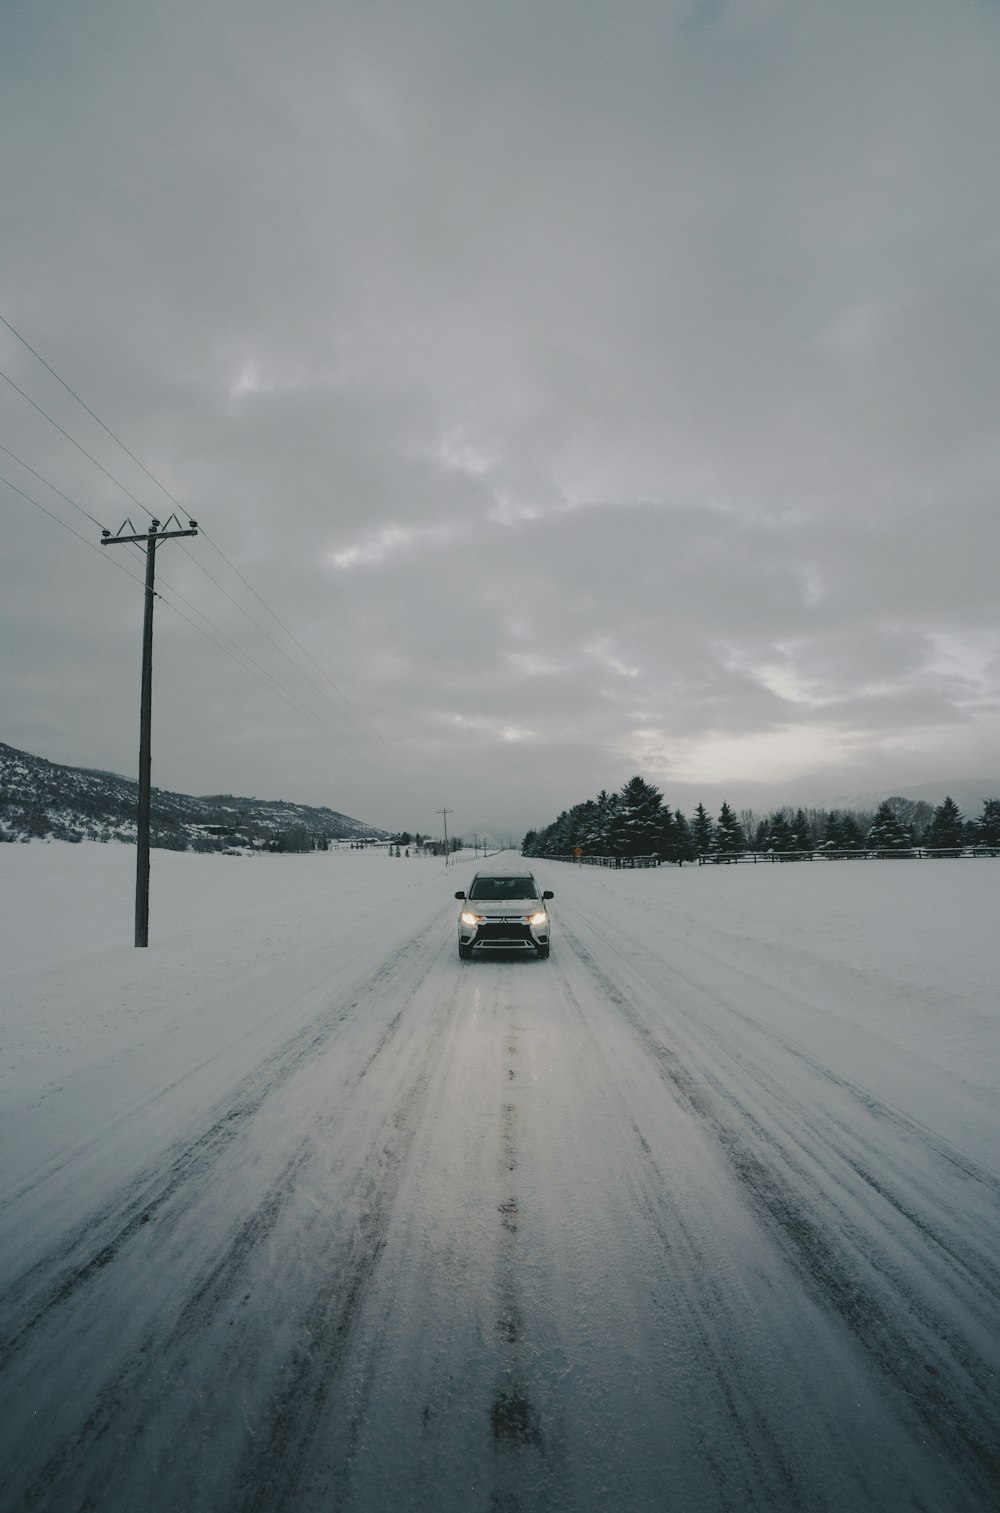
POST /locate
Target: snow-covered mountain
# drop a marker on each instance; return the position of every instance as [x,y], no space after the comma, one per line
[40,798]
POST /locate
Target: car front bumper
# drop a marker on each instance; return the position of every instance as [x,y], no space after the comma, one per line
[503,935]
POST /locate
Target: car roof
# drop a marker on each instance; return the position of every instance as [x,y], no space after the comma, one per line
[503,872]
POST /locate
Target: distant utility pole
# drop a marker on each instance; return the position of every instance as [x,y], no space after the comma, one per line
[445,813]
[150,537]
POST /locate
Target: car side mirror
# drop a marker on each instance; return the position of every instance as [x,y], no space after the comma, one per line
[459,894]
[548,893]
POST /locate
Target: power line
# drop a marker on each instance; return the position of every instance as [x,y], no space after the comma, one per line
[120,565]
[272,687]
[278,688]
[247,664]
[284,627]
[162,487]
[24,341]
[28,469]
[75,443]
[387,752]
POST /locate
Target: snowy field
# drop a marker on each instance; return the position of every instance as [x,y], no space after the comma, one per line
[298,1211]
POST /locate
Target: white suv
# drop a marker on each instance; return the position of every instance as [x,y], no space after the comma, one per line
[503,911]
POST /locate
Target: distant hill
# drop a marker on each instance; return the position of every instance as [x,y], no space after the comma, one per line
[40,799]
[969,795]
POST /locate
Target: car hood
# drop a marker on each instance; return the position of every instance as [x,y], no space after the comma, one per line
[502,908]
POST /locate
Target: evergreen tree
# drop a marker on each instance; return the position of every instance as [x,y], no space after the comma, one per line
[842,832]
[635,828]
[729,836]
[833,834]
[686,850]
[556,836]
[913,814]
[947,827]
[529,843]
[666,846]
[702,830]
[779,833]
[607,808]
[801,837]
[888,833]
[988,823]
[584,824]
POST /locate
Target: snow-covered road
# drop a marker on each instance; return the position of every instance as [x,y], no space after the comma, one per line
[298,1211]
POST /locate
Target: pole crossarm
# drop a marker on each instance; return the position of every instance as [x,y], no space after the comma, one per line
[110,540]
[155,532]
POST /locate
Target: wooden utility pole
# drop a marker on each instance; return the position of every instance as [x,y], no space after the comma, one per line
[150,537]
[445,813]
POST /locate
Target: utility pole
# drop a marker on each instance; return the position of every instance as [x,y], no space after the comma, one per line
[150,537]
[445,813]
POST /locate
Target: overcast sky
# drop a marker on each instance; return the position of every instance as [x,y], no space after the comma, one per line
[589,387]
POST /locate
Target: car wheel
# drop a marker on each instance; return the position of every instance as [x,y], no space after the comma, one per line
[465,952]
[543,952]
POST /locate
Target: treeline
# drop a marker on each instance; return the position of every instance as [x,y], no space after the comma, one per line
[636,821]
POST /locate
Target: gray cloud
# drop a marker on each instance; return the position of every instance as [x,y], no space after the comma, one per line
[587,389]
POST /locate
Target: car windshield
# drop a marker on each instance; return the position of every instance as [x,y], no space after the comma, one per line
[503,887]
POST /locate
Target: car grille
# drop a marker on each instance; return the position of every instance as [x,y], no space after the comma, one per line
[497,931]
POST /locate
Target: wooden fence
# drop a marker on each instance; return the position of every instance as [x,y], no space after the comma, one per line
[610,861]
[911,853]
[753,858]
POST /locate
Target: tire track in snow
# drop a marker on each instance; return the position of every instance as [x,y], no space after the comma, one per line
[151,1192]
[948,1386]
[113,1411]
[955,1247]
[950,1247]
[966,1249]
[962,1164]
[515,1424]
[278,1461]
[746,1454]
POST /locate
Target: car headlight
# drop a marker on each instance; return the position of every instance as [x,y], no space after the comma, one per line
[471,919]
[541,918]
